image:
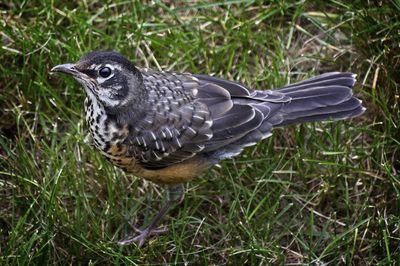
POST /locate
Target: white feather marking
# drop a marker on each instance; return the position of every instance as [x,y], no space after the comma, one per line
[162,146]
[169,132]
[202,111]
[157,145]
[158,158]
[144,142]
[178,142]
[153,135]
[174,115]
[191,129]
[208,122]
[209,136]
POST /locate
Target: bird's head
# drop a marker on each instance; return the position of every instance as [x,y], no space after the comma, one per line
[107,77]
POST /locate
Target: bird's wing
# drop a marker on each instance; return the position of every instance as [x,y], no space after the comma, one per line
[251,118]
[195,114]
[176,125]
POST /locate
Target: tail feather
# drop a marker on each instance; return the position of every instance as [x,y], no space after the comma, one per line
[338,115]
[325,97]
[346,79]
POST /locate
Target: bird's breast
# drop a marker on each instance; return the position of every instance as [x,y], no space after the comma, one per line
[109,138]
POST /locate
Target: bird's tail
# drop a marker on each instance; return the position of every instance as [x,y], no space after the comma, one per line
[325,97]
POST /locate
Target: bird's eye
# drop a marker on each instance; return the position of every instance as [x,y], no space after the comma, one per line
[105,72]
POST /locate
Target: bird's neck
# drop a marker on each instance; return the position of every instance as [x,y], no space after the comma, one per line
[106,125]
[133,108]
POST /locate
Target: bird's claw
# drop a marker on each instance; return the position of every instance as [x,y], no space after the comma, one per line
[142,235]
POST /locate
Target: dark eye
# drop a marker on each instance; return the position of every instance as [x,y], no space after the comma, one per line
[105,72]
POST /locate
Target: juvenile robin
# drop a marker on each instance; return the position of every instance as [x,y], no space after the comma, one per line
[170,127]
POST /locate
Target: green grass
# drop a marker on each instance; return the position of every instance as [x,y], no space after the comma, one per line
[325,193]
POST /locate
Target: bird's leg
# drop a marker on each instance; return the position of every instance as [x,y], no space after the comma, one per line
[174,195]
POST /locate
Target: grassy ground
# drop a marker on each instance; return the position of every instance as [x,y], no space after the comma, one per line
[317,193]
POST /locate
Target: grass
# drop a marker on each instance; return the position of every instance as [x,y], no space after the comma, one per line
[325,193]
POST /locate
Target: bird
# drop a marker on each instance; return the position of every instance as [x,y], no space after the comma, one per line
[169,127]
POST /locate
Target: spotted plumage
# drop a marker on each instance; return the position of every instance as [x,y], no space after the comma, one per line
[169,127]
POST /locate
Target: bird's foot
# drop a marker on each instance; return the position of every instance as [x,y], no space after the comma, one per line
[142,235]
[174,194]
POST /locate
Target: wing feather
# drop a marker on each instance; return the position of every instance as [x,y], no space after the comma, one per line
[201,115]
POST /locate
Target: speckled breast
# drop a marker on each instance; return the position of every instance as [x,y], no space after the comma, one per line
[107,136]
[110,140]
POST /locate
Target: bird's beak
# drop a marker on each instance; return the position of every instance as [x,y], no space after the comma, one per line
[66,68]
